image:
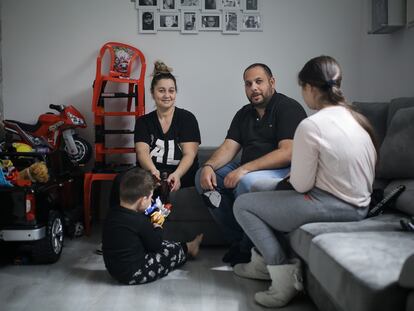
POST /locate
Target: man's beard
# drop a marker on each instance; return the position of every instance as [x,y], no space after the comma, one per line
[261,104]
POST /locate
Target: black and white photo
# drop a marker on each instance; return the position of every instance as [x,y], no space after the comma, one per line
[211,5]
[231,22]
[230,4]
[147,21]
[146,4]
[168,5]
[210,22]
[168,21]
[190,4]
[251,6]
[252,22]
[189,21]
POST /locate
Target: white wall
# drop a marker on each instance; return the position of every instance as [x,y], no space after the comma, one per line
[50,48]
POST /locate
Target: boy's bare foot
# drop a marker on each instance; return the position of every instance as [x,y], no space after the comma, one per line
[194,246]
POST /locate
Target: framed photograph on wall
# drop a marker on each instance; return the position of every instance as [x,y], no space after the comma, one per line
[210,22]
[251,5]
[189,21]
[231,4]
[168,21]
[146,4]
[210,5]
[252,22]
[231,22]
[169,5]
[146,21]
[190,4]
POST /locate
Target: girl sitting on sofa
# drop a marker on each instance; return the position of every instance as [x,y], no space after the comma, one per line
[333,166]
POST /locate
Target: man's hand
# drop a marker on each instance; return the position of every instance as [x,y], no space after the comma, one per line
[208,178]
[233,178]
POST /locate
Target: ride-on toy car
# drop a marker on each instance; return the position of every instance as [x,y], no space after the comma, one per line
[32,215]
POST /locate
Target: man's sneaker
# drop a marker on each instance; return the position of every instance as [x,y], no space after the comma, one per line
[232,252]
[240,257]
[98,251]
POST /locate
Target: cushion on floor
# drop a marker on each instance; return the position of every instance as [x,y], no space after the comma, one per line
[301,238]
[362,265]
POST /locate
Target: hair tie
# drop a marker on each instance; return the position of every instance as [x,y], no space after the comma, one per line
[329,84]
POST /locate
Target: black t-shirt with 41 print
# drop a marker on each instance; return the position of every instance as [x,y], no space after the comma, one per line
[165,149]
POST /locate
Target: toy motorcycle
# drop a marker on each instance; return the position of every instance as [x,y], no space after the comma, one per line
[46,135]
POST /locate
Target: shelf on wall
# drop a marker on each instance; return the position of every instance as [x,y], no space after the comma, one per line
[387,16]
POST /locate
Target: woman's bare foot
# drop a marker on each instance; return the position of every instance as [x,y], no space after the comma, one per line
[194,246]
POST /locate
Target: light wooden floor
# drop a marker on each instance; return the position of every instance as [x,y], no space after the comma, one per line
[79,281]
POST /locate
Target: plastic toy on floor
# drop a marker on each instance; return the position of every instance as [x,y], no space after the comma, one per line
[37,172]
[6,171]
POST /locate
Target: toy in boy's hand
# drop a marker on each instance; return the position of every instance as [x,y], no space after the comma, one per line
[157,218]
[158,211]
[37,172]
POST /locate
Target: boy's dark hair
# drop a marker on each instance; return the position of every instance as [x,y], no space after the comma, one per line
[135,184]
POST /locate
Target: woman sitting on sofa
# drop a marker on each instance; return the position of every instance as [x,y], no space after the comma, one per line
[167,139]
[333,167]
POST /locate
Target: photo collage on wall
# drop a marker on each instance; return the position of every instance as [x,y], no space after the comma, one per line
[192,16]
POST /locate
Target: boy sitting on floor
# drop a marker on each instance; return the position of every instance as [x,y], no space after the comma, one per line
[133,249]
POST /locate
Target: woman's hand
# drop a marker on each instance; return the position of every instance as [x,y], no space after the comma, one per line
[174,181]
[156,173]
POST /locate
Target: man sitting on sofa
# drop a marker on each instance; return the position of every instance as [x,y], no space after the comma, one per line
[264,131]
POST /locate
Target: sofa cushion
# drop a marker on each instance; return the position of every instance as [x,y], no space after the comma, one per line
[397,152]
[301,238]
[397,104]
[377,114]
[362,265]
[405,201]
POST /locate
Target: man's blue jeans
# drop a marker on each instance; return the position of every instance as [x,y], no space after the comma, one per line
[223,214]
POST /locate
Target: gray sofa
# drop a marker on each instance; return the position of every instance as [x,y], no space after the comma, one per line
[349,266]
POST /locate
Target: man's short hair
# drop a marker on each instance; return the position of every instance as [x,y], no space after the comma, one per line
[136,183]
[265,68]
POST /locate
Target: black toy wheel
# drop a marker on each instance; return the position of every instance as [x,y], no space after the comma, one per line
[84,151]
[48,249]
